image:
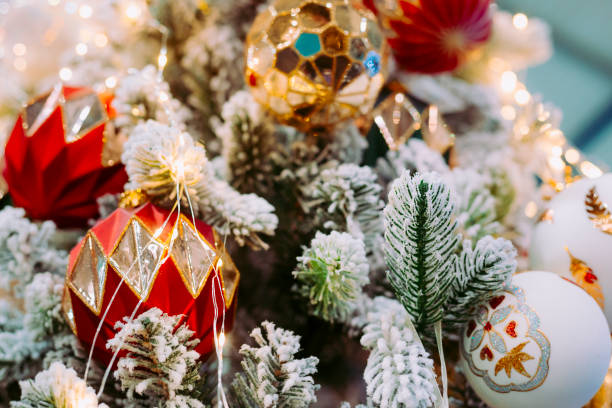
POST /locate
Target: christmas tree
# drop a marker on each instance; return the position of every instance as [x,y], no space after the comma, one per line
[293,204]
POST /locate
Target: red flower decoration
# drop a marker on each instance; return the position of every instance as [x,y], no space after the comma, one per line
[62,155]
[433,36]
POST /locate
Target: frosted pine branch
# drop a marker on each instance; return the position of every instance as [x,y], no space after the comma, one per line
[415,156]
[244,216]
[272,377]
[137,100]
[212,64]
[248,140]
[25,250]
[399,372]
[57,387]
[480,273]
[331,274]
[346,197]
[475,205]
[347,405]
[420,245]
[161,364]
[43,297]
[348,144]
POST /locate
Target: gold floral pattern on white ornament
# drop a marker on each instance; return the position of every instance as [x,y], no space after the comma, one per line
[504,345]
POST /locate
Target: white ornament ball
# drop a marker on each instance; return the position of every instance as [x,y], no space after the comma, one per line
[543,342]
[573,238]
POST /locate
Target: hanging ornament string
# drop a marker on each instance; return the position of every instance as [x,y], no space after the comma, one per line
[219,338]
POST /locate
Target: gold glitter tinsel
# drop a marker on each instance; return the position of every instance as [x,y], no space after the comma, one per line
[314,64]
[132,198]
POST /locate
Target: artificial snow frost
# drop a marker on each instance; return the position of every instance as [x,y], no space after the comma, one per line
[399,372]
[331,273]
[58,386]
[161,363]
[272,376]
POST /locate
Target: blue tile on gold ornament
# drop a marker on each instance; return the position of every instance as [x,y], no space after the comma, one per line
[372,63]
[308,44]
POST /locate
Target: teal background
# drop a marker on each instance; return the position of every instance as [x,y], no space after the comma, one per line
[578,78]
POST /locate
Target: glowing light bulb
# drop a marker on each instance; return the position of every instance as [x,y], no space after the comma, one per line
[522,96]
[590,170]
[520,21]
[163,96]
[508,112]
[71,7]
[219,263]
[19,49]
[221,339]
[100,39]
[531,209]
[81,49]
[556,163]
[556,136]
[572,156]
[85,11]
[133,11]
[110,82]
[162,60]
[53,2]
[65,74]
[508,81]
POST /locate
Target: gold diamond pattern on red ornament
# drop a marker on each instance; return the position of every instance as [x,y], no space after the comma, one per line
[67,309]
[137,258]
[193,256]
[228,271]
[90,286]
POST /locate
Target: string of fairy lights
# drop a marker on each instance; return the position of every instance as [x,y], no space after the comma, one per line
[564,162]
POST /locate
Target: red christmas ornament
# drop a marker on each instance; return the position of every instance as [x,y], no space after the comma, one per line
[433,36]
[172,265]
[63,154]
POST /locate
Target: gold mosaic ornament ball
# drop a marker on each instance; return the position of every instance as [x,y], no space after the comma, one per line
[314,64]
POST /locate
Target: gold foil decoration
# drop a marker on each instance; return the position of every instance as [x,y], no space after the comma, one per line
[586,279]
[113,145]
[82,111]
[67,309]
[137,258]
[546,216]
[132,198]
[81,114]
[38,110]
[88,276]
[436,133]
[397,118]
[314,63]
[193,256]
[598,212]
[229,273]
[514,360]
